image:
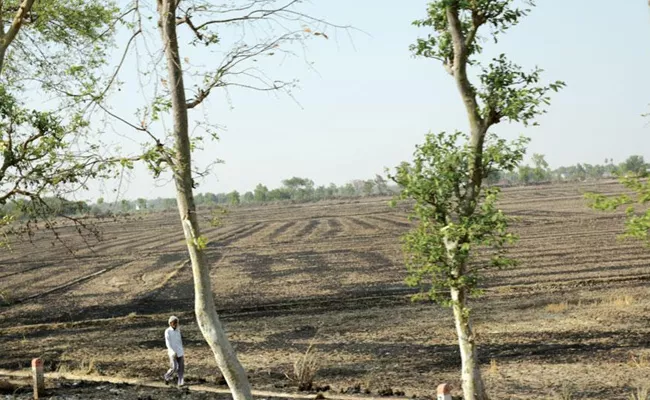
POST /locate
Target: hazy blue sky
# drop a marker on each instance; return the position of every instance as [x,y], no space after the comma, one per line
[369,102]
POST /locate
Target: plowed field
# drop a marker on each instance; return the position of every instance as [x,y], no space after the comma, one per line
[576,311]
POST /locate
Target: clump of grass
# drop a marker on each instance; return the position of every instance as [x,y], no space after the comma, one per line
[557,308]
[622,301]
[305,369]
[566,392]
[5,297]
[640,361]
[494,368]
[87,366]
[641,393]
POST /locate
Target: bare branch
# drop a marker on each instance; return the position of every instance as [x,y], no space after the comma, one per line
[253,15]
[237,56]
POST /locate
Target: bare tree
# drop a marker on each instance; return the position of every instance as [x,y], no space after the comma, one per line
[279,27]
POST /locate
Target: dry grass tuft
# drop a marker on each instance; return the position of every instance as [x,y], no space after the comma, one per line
[557,308]
[566,392]
[642,393]
[639,361]
[621,301]
[494,368]
[305,369]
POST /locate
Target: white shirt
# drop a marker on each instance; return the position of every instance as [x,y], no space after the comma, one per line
[174,342]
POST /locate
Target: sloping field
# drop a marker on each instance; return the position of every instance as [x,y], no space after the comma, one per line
[575,310]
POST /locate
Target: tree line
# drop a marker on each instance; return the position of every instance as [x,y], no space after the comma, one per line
[300,190]
[538,171]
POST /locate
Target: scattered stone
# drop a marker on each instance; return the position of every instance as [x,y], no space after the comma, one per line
[319,396]
[385,392]
[399,393]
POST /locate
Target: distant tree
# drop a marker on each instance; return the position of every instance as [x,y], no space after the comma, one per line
[634,165]
[358,185]
[348,190]
[278,194]
[579,173]
[260,193]
[368,187]
[234,198]
[142,203]
[169,203]
[332,190]
[248,197]
[320,193]
[210,199]
[300,189]
[540,171]
[100,201]
[125,205]
[525,174]
[381,185]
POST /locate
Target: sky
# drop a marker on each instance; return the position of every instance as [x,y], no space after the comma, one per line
[364,101]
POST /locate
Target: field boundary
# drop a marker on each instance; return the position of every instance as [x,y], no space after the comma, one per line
[194,388]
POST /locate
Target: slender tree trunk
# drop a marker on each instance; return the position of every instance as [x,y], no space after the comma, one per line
[473,388]
[6,38]
[3,52]
[204,307]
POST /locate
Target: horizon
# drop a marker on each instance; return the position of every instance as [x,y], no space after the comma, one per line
[364,101]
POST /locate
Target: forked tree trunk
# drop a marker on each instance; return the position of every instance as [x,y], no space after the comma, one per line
[206,313]
[473,388]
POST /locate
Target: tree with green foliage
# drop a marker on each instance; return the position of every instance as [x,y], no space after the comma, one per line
[634,165]
[381,185]
[248,197]
[368,187]
[300,189]
[260,193]
[455,212]
[51,48]
[142,204]
[348,190]
[234,198]
[525,174]
[541,171]
[637,214]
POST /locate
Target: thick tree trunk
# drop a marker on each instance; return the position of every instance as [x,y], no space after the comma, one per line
[204,307]
[473,388]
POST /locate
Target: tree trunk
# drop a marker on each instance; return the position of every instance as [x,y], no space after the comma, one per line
[6,38]
[206,313]
[473,388]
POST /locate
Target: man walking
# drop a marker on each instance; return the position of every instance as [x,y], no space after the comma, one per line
[174,344]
